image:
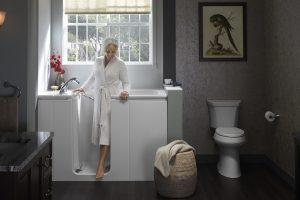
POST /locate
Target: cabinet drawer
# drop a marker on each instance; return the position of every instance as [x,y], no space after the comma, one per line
[46,178]
[47,157]
[47,187]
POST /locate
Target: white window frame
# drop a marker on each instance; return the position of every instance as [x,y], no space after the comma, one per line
[152,44]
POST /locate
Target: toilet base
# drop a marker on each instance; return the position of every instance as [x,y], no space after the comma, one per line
[229,162]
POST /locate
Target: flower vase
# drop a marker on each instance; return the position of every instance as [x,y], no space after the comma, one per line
[59,80]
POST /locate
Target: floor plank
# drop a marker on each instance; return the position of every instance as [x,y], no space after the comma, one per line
[257,182]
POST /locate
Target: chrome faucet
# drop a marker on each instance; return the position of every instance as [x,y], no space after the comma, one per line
[64,87]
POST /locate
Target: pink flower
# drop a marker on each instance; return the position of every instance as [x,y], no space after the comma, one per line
[55,63]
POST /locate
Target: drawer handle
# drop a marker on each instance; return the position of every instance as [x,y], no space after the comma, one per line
[48,157]
[48,194]
[45,165]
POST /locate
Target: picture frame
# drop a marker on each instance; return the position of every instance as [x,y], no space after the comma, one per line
[222,31]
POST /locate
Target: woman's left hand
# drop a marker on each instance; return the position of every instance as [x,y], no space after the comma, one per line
[124,95]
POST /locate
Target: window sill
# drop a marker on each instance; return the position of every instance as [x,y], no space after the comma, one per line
[129,66]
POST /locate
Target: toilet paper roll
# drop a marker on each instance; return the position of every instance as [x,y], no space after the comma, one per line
[270,117]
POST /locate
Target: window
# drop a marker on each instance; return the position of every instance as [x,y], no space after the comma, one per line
[85,33]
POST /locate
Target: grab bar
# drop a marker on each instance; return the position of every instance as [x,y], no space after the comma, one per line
[84,94]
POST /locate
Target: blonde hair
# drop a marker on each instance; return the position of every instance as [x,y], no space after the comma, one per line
[107,42]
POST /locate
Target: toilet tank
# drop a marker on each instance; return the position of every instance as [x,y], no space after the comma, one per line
[223,113]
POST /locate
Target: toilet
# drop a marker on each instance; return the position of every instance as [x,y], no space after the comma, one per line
[223,121]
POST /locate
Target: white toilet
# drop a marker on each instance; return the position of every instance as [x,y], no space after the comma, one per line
[223,117]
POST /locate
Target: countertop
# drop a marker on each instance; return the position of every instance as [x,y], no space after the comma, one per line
[18,149]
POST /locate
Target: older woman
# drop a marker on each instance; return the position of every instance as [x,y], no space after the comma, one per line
[106,77]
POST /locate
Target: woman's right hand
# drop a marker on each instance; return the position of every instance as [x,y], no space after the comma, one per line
[78,90]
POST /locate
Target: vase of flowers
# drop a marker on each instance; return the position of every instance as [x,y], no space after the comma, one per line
[59,80]
[55,63]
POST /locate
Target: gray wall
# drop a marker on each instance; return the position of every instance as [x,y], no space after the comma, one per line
[221,80]
[268,80]
[13,51]
[283,78]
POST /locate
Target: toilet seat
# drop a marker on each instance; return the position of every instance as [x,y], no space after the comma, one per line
[231,132]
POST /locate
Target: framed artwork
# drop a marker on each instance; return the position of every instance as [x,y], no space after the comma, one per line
[222,31]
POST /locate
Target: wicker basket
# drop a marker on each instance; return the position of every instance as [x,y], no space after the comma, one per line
[182,180]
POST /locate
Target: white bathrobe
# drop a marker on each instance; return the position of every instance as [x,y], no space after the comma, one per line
[106,81]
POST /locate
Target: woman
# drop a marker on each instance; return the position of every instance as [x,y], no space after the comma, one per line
[108,73]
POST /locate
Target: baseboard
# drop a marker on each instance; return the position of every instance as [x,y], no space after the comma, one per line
[251,159]
[281,173]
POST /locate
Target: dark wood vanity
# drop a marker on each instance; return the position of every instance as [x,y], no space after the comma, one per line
[297,165]
[26,165]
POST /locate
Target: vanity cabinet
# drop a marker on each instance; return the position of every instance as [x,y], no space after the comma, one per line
[31,178]
[297,164]
[46,173]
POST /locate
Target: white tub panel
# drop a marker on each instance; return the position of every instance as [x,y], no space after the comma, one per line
[119,142]
[148,132]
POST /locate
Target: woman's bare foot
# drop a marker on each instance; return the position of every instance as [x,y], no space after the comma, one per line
[100,172]
[103,152]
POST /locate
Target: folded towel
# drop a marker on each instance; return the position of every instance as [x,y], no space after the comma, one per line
[165,153]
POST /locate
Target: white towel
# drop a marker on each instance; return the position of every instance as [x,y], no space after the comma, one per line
[165,153]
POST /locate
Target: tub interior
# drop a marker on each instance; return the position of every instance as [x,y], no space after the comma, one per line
[145,94]
[86,154]
[137,92]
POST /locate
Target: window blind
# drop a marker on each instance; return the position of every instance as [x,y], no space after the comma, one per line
[107,6]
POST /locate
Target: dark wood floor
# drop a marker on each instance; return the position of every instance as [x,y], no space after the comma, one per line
[257,182]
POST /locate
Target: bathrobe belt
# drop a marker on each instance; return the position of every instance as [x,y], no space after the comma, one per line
[104,97]
[104,92]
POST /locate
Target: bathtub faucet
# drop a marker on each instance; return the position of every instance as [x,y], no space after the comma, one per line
[64,87]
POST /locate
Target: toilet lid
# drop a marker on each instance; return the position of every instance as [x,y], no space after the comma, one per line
[230,132]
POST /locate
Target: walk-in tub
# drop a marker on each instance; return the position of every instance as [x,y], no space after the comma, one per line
[138,128]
